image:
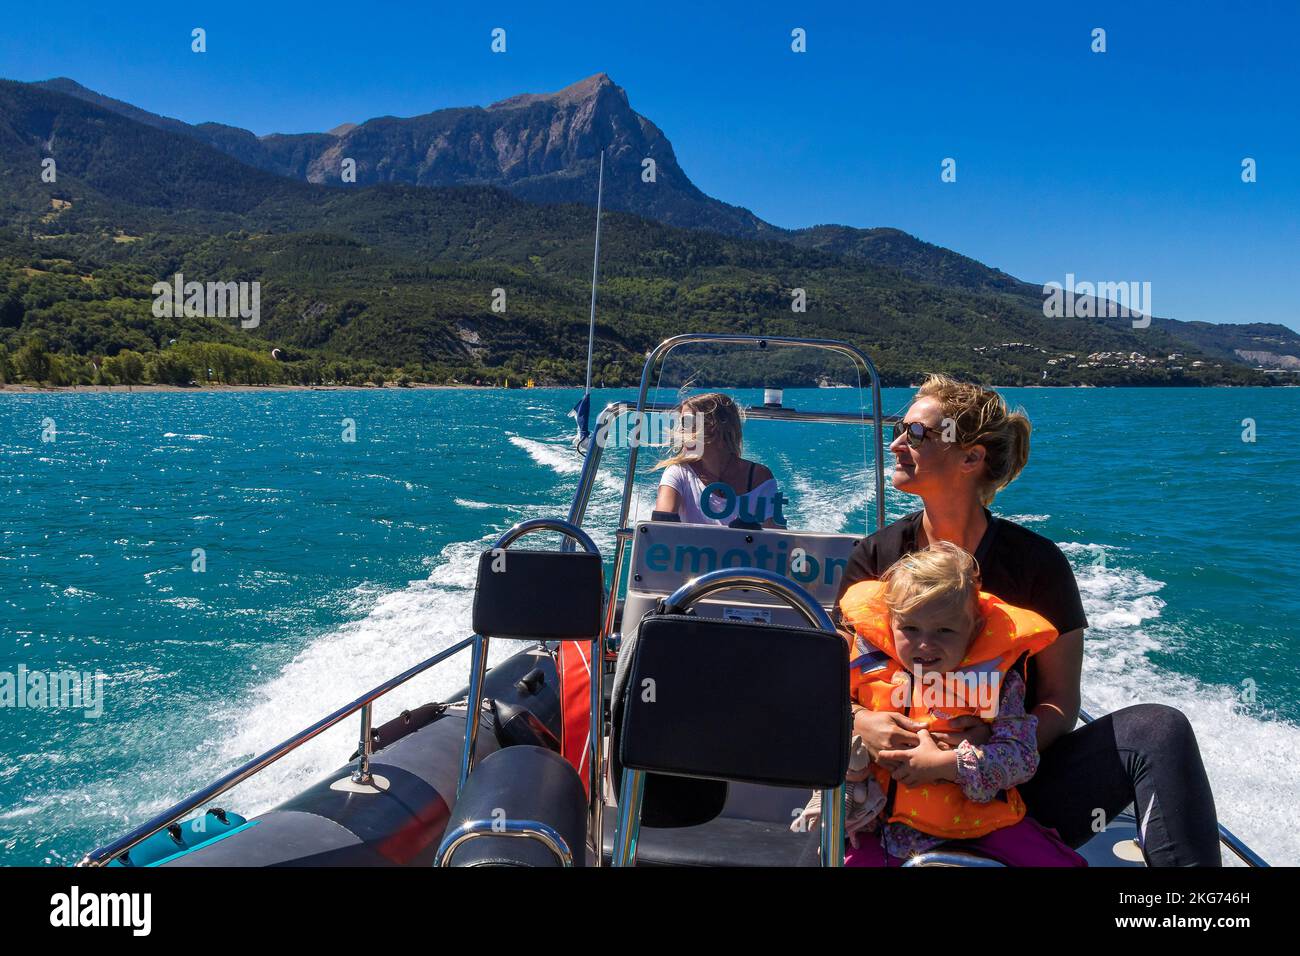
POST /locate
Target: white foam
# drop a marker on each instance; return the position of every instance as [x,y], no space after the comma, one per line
[1027,519]
[409,486]
[396,630]
[1248,757]
[400,629]
[829,507]
[559,458]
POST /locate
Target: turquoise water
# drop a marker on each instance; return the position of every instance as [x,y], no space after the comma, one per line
[331,565]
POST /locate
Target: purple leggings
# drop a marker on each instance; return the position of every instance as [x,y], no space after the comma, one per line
[1024,844]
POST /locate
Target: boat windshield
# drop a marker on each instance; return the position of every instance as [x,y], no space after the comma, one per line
[805,416]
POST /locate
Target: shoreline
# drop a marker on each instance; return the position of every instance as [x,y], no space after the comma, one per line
[10,389]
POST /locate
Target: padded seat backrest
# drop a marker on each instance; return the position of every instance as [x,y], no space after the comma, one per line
[542,595]
[717,700]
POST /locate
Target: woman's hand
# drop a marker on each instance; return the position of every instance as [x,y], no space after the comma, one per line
[924,763]
[969,728]
[884,730]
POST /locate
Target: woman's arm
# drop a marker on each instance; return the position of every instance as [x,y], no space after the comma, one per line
[672,490]
[669,500]
[1059,671]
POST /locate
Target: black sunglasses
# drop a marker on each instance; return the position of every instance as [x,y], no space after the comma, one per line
[915,431]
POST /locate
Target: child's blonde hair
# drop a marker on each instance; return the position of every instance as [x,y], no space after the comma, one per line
[942,573]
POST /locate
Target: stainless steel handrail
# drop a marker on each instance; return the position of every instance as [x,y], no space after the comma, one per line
[105,854]
[755,579]
[1226,836]
[591,460]
[543,833]
[950,858]
[566,528]
[726,579]
[595,449]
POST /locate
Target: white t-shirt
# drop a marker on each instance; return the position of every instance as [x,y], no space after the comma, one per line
[756,505]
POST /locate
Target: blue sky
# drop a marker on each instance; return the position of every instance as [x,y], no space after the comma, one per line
[1115,167]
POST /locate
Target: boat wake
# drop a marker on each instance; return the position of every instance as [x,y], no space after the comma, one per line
[399,630]
[1248,757]
[394,631]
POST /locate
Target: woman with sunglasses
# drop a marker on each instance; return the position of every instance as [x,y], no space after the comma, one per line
[956,447]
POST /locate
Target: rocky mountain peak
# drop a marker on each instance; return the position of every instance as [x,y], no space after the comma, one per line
[575,93]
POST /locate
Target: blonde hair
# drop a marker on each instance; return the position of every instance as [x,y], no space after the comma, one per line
[727,421]
[981,417]
[941,573]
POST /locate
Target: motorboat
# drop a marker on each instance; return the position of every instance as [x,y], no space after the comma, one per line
[611,737]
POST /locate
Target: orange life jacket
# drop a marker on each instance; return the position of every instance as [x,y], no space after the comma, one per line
[881,682]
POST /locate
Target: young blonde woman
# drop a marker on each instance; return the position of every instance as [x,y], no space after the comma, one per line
[711,435]
[957,446]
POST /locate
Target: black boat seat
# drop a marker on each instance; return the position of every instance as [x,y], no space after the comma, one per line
[677,720]
[535,595]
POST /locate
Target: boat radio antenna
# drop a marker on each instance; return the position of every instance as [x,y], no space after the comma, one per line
[582,411]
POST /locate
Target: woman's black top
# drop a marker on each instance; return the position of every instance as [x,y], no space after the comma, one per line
[1020,567]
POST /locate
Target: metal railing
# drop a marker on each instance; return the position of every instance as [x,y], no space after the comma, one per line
[623,534]
[194,801]
[591,463]
[542,833]
[950,858]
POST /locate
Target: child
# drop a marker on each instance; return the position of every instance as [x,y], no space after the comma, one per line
[929,645]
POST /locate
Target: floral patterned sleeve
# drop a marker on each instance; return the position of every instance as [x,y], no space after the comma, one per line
[1011,755]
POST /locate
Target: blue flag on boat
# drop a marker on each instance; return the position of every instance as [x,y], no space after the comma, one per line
[582,414]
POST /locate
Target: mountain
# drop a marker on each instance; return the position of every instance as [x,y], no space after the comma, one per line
[1231,340]
[541,147]
[389,274]
[121,159]
[544,148]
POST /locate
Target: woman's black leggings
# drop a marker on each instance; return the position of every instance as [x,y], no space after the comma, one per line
[1145,755]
